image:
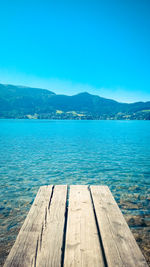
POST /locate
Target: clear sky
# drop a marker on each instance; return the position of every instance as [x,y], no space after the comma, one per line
[102,46]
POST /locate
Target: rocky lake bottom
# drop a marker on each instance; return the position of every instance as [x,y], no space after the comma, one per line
[41,152]
[139,225]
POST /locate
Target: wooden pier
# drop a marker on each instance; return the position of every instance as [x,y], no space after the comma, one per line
[75,226]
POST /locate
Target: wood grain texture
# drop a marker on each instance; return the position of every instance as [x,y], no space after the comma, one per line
[119,244]
[50,246]
[24,251]
[40,239]
[82,240]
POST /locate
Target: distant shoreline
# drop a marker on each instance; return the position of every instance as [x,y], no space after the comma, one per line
[31,103]
[56,119]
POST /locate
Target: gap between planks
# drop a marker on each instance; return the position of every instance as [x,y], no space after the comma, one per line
[90,231]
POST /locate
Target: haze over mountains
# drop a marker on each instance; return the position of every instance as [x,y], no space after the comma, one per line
[33,103]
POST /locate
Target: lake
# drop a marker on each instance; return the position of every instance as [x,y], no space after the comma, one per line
[40,152]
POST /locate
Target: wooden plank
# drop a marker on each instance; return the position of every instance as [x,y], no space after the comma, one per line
[23,253]
[82,240]
[119,244]
[50,248]
[39,242]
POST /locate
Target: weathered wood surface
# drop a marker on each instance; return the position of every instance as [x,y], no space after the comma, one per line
[23,252]
[92,233]
[82,241]
[39,241]
[50,247]
[119,244]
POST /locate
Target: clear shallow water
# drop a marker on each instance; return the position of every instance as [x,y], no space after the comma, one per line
[39,152]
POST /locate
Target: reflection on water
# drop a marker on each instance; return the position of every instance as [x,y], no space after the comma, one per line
[35,153]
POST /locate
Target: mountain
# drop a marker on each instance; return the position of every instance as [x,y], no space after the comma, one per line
[26,102]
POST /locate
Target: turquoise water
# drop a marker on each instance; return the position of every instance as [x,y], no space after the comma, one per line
[39,152]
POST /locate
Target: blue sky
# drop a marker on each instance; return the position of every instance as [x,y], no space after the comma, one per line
[102,47]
